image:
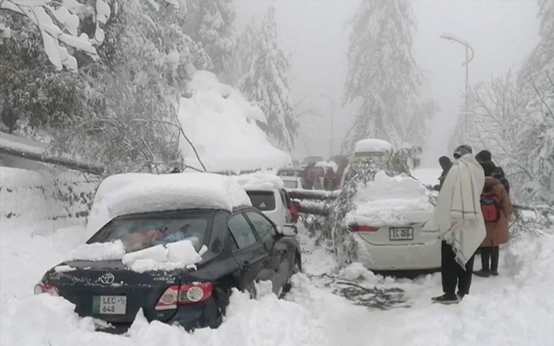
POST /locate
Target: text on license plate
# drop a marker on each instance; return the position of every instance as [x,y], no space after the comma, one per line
[109,305]
[401,233]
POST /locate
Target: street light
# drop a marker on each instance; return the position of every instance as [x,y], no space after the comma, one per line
[468,58]
[332,120]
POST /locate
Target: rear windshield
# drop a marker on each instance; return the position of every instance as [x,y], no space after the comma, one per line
[289,173]
[291,184]
[262,200]
[140,233]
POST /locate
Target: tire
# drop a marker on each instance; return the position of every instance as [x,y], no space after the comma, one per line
[296,268]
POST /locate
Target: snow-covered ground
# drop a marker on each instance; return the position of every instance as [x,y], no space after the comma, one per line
[327,305]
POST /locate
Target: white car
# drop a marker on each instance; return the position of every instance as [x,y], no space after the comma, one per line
[292,182]
[272,202]
[388,225]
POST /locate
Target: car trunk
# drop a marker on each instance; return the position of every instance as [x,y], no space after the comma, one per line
[109,291]
[402,233]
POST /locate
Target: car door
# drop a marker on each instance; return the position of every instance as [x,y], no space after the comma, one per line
[248,251]
[281,255]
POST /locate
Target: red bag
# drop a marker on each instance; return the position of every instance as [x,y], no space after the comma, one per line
[490,206]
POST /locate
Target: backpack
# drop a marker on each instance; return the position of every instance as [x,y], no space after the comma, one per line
[490,206]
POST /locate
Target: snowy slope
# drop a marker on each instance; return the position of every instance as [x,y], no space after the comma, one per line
[221,124]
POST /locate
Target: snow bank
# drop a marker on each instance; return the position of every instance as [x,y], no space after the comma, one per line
[221,124]
[259,180]
[132,193]
[172,256]
[98,251]
[389,200]
[47,196]
[372,144]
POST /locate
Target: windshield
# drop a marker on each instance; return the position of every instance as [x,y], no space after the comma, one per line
[140,233]
[291,184]
[262,200]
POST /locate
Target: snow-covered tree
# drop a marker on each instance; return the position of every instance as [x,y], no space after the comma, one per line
[58,23]
[118,111]
[382,71]
[211,23]
[514,119]
[266,83]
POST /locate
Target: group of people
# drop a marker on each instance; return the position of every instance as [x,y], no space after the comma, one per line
[311,179]
[472,213]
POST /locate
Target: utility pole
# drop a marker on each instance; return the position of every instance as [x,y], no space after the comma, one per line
[469,57]
[332,121]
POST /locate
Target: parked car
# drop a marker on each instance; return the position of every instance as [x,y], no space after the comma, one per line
[290,172]
[273,202]
[292,182]
[173,246]
[377,150]
[243,247]
[387,221]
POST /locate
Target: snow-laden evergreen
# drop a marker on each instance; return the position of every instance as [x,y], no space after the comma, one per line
[382,73]
[266,83]
[212,24]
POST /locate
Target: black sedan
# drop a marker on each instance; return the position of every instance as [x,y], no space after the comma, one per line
[243,247]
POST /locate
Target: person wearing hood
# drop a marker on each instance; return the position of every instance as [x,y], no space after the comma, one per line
[445,163]
[460,222]
[498,173]
[497,208]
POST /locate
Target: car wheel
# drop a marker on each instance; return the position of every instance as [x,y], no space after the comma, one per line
[296,268]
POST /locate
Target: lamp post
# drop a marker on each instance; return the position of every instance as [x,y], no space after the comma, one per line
[332,120]
[468,57]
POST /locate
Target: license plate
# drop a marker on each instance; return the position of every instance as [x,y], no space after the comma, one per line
[109,305]
[401,233]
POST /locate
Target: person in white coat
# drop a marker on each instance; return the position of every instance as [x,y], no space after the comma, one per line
[459,218]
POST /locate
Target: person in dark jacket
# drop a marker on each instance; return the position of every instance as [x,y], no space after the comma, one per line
[446,164]
[498,173]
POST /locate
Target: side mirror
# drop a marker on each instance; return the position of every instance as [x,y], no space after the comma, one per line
[288,230]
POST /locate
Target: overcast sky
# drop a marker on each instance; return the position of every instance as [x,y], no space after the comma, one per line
[316,35]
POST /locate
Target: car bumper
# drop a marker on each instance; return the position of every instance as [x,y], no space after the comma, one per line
[425,256]
[190,317]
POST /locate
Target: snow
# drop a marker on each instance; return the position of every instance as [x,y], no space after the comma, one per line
[372,144]
[221,124]
[64,269]
[327,165]
[172,256]
[131,193]
[259,180]
[515,308]
[98,251]
[389,200]
[12,142]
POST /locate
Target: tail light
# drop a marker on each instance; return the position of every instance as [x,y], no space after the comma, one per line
[184,295]
[44,288]
[363,228]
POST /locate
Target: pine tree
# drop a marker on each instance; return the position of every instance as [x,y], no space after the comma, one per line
[382,71]
[212,24]
[266,83]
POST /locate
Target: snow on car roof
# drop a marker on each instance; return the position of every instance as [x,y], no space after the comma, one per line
[372,144]
[390,200]
[259,181]
[132,193]
[327,164]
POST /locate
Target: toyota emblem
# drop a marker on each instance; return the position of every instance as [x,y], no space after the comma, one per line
[107,279]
